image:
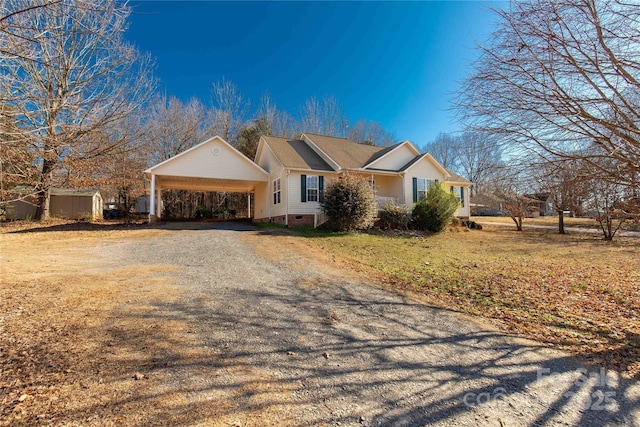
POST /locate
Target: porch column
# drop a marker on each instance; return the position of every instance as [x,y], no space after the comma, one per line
[152,201]
[249,205]
[159,202]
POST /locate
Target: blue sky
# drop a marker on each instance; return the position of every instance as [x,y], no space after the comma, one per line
[396,63]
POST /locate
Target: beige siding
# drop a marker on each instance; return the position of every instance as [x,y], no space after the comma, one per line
[261,197]
[395,159]
[462,211]
[270,163]
[422,169]
[76,207]
[296,207]
[202,162]
[389,186]
[22,209]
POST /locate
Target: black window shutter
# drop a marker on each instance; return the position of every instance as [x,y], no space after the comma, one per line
[415,190]
[462,196]
[303,188]
[321,183]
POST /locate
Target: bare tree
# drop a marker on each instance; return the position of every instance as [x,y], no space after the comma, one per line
[370,132]
[476,158]
[322,116]
[444,148]
[565,183]
[230,109]
[561,77]
[173,127]
[76,77]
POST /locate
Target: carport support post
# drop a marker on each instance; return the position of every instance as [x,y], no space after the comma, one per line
[152,200]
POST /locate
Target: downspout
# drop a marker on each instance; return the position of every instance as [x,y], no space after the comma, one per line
[270,195]
[286,211]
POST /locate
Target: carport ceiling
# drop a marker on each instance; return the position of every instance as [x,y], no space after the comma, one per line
[169,182]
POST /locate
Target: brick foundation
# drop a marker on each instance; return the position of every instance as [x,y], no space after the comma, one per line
[301,220]
[294,220]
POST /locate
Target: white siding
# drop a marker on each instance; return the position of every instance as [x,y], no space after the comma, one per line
[297,207]
[262,197]
[270,163]
[422,169]
[389,186]
[201,162]
[462,211]
[395,159]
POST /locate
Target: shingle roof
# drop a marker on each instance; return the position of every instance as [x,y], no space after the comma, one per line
[73,191]
[412,161]
[457,178]
[294,153]
[347,153]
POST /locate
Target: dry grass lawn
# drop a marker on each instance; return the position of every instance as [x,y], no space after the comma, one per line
[570,291]
[79,341]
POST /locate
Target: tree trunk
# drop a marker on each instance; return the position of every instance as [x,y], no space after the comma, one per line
[44,195]
[560,221]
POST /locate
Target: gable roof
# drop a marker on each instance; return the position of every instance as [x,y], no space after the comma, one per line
[382,153]
[345,152]
[296,154]
[457,178]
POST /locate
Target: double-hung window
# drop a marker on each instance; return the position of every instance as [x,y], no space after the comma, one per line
[422,187]
[312,188]
[277,193]
[459,193]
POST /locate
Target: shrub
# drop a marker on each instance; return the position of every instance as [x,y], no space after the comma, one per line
[202,212]
[455,222]
[393,216]
[434,212]
[349,204]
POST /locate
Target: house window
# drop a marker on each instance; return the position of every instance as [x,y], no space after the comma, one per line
[312,188]
[423,186]
[459,193]
[277,193]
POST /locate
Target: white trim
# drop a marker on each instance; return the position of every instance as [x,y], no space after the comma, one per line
[435,163]
[411,146]
[216,138]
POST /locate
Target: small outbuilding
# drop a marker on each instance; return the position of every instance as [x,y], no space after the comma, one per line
[65,203]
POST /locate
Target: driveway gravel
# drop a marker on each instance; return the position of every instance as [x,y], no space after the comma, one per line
[309,344]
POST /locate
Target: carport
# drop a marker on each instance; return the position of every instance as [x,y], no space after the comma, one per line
[213,165]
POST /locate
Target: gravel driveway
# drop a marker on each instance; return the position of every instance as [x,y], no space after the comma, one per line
[313,346]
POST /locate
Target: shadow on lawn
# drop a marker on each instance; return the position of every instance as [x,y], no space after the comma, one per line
[232,224]
[356,374]
[330,354]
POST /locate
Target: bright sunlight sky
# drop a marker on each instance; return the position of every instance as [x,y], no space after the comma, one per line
[396,63]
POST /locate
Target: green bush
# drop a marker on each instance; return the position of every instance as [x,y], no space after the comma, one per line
[350,204]
[434,212]
[202,212]
[393,216]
